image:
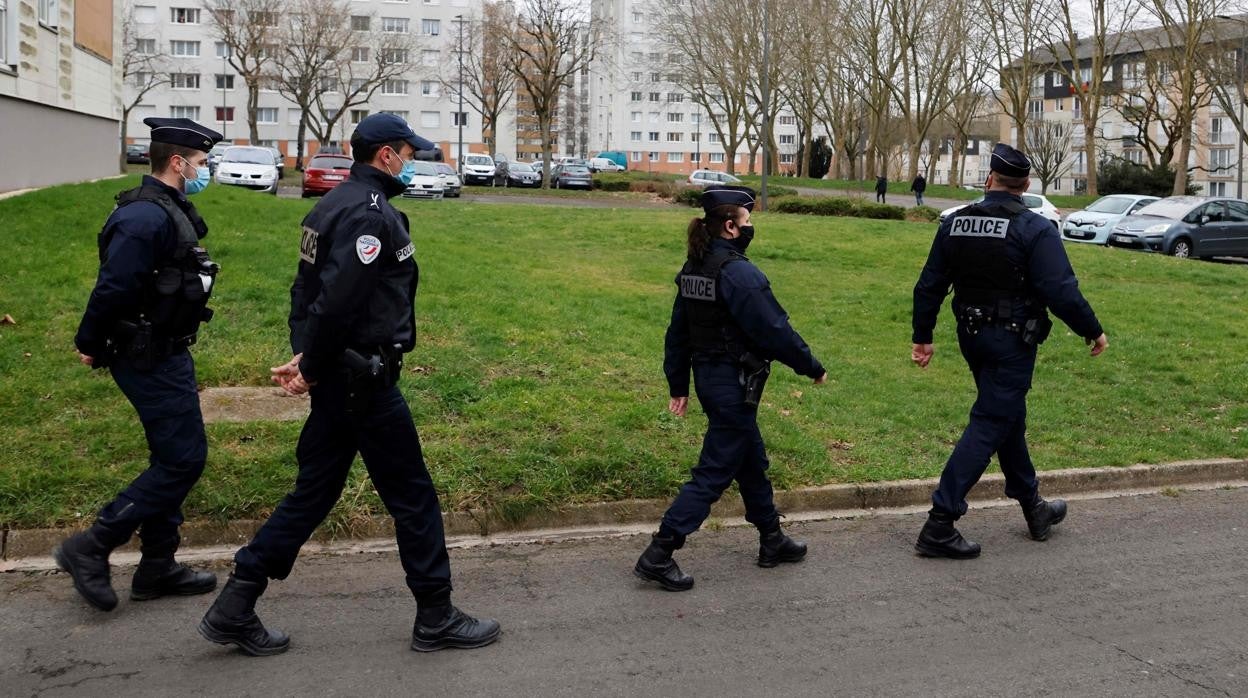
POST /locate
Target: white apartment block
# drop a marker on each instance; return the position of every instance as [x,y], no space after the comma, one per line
[60,82]
[205,88]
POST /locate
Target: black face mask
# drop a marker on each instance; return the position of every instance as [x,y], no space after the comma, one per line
[742,241]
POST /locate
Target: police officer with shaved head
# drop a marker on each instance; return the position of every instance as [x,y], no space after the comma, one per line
[1008,268]
[351,321]
[149,299]
[727,327]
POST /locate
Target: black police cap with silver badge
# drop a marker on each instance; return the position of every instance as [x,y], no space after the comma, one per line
[1010,162]
[720,195]
[388,128]
[183,132]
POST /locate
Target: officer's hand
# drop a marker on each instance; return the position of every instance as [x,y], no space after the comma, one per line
[678,406]
[86,360]
[822,379]
[288,376]
[1099,344]
[921,354]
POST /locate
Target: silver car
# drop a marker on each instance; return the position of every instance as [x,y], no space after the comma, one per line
[1093,223]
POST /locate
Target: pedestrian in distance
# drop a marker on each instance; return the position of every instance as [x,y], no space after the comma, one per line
[150,296]
[726,327]
[351,321]
[881,188]
[1008,268]
[918,186]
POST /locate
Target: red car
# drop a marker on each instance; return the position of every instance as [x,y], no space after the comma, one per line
[324,172]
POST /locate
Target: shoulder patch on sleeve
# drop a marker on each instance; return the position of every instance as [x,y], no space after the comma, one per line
[367,248]
[373,201]
[307,246]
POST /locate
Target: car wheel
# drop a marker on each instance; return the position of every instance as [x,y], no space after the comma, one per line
[1182,248]
[304,194]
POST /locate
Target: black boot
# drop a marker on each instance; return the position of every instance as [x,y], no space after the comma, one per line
[940,539]
[656,563]
[232,620]
[1042,516]
[441,627]
[85,558]
[162,576]
[774,547]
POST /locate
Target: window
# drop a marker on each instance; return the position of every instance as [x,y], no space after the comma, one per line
[674,118]
[394,55]
[359,54]
[184,48]
[48,14]
[1217,188]
[357,115]
[634,136]
[223,50]
[695,137]
[637,18]
[191,113]
[675,157]
[330,84]
[181,15]
[394,87]
[1035,107]
[1058,79]
[712,137]
[654,96]
[635,117]
[141,78]
[360,23]
[429,88]
[635,97]
[263,19]
[355,85]
[1220,158]
[788,120]
[429,57]
[144,14]
[675,97]
[636,156]
[717,158]
[1085,75]
[266,143]
[145,47]
[654,157]
[430,119]
[266,115]
[674,137]
[401,114]
[225,82]
[430,27]
[786,158]
[655,77]
[225,115]
[396,25]
[1219,131]
[1037,81]
[653,136]
[1061,104]
[184,81]
[788,139]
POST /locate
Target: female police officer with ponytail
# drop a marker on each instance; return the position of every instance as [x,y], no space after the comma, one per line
[727,327]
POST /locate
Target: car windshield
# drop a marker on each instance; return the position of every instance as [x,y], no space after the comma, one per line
[520,167]
[425,168]
[1109,204]
[331,163]
[444,168]
[1032,201]
[1167,208]
[478,160]
[252,156]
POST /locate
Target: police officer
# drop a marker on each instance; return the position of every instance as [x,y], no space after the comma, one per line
[1006,265]
[149,299]
[351,321]
[728,327]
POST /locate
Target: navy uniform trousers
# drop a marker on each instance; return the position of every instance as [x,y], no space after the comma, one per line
[1002,366]
[167,400]
[731,450]
[384,435]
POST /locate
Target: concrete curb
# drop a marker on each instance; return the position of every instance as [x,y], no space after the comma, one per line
[865,497]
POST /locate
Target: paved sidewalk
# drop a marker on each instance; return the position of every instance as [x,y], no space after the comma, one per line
[1132,596]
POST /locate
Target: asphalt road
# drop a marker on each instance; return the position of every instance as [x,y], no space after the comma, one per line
[1131,596]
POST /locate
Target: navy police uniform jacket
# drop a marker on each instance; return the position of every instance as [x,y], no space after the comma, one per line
[1033,247]
[746,293]
[357,276]
[141,239]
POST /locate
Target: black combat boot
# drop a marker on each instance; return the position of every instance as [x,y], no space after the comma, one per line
[774,547]
[1042,516]
[163,576]
[232,620]
[656,563]
[85,558]
[443,626]
[940,539]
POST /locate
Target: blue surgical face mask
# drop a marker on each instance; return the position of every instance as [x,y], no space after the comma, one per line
[200,183]
[406,174]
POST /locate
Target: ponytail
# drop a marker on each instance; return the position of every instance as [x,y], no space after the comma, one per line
[703,230]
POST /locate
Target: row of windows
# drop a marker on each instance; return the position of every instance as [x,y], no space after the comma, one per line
[269,115]
[359,54]
[146,14]
[191,81]
[713,158]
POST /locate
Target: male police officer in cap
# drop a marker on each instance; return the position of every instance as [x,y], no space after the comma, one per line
[1006,265]
[351,321]
[149,299]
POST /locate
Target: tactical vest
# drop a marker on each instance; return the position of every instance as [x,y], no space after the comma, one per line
[982,272]
[175,301]
[712,330]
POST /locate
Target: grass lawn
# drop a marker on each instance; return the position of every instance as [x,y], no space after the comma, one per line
[537,377]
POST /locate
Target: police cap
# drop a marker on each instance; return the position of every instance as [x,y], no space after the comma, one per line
[388,128]
[1010,161]
[183,132]
[721,194]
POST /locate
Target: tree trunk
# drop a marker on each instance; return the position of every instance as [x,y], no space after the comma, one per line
[956,158]
[544,125]
[253,106]
[916,150]
[1180,168]
[302,135]
[125,118]
[1089,159]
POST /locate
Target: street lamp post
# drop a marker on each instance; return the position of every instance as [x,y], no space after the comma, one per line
[459,118]
[766,135]
[225,71]
[1239,64]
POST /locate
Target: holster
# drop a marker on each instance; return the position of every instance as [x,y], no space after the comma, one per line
[754,373]
[138,343]
[367,374]
[1036,330]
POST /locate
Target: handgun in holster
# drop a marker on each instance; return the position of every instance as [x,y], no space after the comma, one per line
[754,373]
[135,342]
[365,375]
[1036,330]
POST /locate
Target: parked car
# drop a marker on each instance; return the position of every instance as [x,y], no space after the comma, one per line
[248,166]
[280,161]
[522,174]
[451,184]
[604,165]
[703,178]
[571,177]
[324,172]
[1186,226]
[478,169]
[426,183]
[1093,223]
[579,162]
[1036,202]
[620,158]
[214,155]
[137,153]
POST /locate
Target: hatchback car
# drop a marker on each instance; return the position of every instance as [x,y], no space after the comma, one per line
[451,184]
[1186,226]
[478,169]
[137,154]
[522,174]
[248,166]
[214,155]
[704,178]
[571,177]
[1036,202]
[426,183]
[1093,223]
[324,172]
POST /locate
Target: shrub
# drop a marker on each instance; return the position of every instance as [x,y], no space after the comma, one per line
[612,184]
[922,214]
[690,196]
[780,191]
[884,211]
[837,206]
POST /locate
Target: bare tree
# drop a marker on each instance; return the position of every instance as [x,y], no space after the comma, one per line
[249,29]
[313,36]
[1048,148]
[874,60]
[553,41]
[143,69]
[489,83]
[1021,31]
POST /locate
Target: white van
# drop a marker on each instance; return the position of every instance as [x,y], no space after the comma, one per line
[478,169]
[604,165]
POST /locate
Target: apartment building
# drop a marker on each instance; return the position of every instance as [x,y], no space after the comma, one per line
[203,86]
[59,89]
